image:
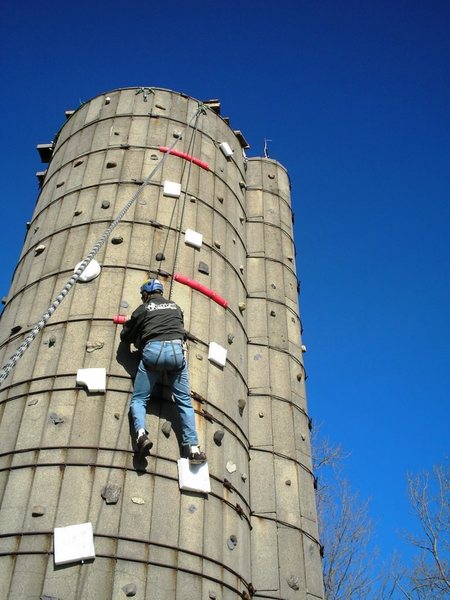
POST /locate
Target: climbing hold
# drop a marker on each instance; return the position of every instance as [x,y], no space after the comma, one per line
[93,346]
[124,304]
[261,414]
[303,436]
[217,354]
[117,416]
[231,467]
[111,164]
[172,189]
[192,508]
[111,493]
[15,329]
[232,542]
[220,199]
[55,419]
[242,219]
[293,319]
[241,405]
[244,476]
[106,204]
[230,338]
[137,500]
[77,163]
[38,511]
[154,157]
[293,582]
[77,213]
[107,100]
[241,268]
[242,306]
[234,240]
[226,149]
[93,379]
[303,348]
[4,299]
[32,402]
[273,286]
[198,356]
[288,482]
[217,244]
[203,268]
[212,595]
[193,238]
[299,376]
[271,176]
[160,107]
[177,134]
[242,185]
[46,597]
[273,313]
[91,271]
[160,257]
[192,198]
[166,428]
[130,589]
[58,185]
[39,249]
[218,437]
[117,240]
[125,146]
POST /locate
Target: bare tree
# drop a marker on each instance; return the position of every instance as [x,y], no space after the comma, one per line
[345,529]
[430,575]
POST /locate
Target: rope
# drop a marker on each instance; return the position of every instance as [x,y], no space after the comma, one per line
[7,368]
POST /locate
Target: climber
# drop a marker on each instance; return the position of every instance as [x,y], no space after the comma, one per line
[156,327]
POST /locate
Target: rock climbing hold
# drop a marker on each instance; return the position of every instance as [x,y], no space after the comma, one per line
[90,272]
[106,204]
[60,184]
[244,476]
[15,329]
[232,542]
[273,313]
[212,595]
[4,299]
[241,268]
[199,356]
[273,286]
[288,482]
[293,582]
[93,346]
[231,467]
[261,414]
[230,338]
[39,249]
[203,268]
[117,240]
[177,134]
[117,416]
[111,164]
[242,306]
[218,437]
[192,508]
[137,500]
[38,511]
[32,402]
[77,213]
[107,100]
[130,590]
[111,493]
[241,405]
[77,163]
[299,376]
[55,419]
[166,428]
[220,199]
[217,244]
[271,176]
[242,185]
[160,257]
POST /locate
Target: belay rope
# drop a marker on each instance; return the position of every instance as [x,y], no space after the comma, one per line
[7,368]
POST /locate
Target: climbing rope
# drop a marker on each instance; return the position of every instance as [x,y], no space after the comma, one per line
[7,368]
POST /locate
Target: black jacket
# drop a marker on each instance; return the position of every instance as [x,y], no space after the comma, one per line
[156,319]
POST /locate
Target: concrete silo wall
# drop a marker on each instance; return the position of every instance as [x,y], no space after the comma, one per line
[62,445]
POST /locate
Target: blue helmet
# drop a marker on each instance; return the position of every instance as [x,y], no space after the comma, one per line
[151,286]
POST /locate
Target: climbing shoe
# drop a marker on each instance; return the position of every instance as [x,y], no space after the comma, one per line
[196,457]
[144,445]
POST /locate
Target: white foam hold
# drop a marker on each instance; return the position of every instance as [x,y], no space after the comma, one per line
[91,271]
[193,238]
[193,478]
[172,189]
[226,149]
[73,543]
[217,354]
[93,379]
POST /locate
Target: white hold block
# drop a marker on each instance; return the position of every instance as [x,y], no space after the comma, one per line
[217,354]
[91,271]
[93,379]
[172,189]
[194,478]
[226,149]
[193,238]
[73,543]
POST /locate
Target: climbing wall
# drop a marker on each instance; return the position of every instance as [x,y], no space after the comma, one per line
[216,228]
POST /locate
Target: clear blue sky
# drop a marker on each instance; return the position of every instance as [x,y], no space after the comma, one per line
[355,96]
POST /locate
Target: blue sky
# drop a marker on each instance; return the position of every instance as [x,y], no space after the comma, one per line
[355,96]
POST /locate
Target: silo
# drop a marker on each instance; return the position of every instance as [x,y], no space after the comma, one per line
[167,179]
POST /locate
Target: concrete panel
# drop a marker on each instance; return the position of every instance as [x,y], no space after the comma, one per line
[262,482]
[264,538]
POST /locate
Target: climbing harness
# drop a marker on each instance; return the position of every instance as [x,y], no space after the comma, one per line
[7,368]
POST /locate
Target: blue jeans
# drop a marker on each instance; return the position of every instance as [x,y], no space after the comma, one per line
[165,356]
